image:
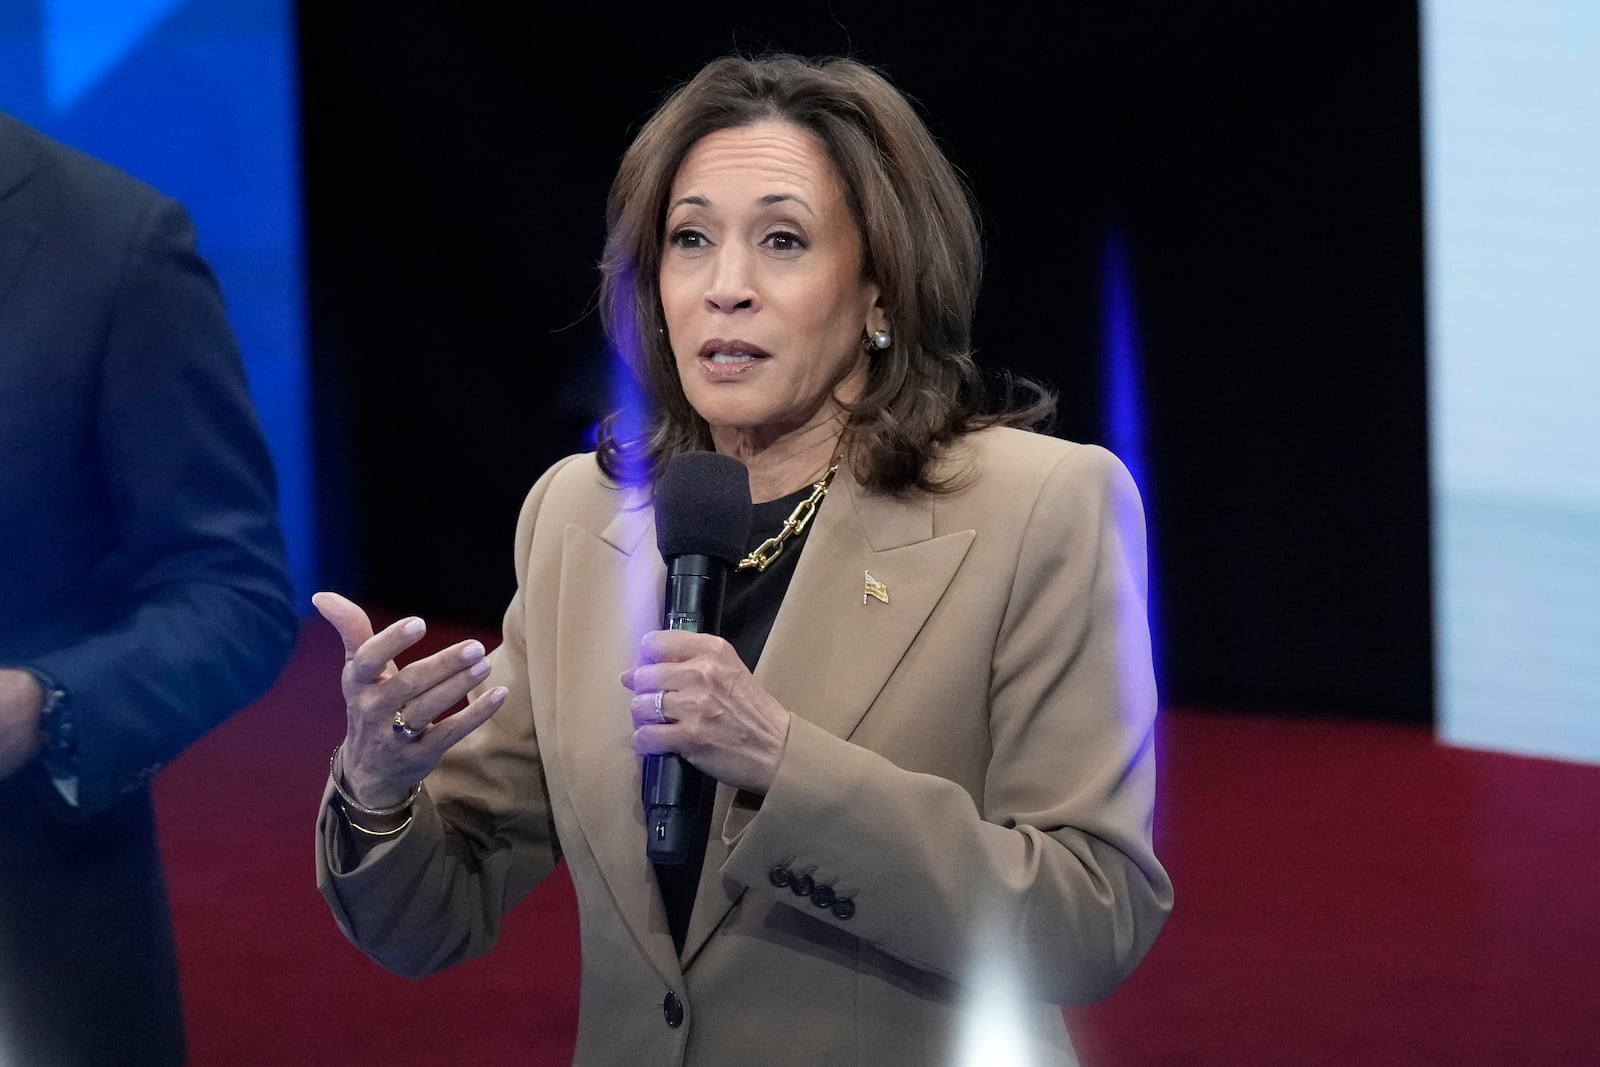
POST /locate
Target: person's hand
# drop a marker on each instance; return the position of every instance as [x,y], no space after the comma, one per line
[21,705]
[716,714]
[380,766]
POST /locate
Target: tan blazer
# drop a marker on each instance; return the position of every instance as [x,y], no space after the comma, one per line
[969,763]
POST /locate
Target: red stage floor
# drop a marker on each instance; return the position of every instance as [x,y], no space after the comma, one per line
[1347,893]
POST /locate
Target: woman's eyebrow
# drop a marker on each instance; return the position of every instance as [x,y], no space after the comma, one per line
[765,201]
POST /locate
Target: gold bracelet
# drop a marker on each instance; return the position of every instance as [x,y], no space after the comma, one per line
[354,804]
[372,833]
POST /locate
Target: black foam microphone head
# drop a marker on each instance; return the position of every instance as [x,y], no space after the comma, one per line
[703,507]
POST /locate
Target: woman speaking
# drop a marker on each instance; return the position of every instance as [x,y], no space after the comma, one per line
[923,737]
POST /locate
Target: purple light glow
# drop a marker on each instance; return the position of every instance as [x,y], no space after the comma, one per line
[1124,405]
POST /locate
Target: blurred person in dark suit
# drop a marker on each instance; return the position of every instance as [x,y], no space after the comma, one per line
[143,593]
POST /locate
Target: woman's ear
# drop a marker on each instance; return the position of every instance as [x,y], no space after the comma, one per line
[877,315]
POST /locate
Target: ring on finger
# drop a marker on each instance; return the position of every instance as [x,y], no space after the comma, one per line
[405,729]
[661,716]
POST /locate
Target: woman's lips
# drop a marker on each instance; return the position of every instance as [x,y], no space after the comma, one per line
[723,361]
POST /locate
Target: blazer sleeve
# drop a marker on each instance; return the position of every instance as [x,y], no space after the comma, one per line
[1055,873]
[204,621]
[481,836]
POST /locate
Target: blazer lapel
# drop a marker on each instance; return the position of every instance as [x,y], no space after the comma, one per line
[610,597]
[833,646]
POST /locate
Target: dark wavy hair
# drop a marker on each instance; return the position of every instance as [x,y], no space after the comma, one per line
[920,244]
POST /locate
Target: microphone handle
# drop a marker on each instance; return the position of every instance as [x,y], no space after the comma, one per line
[695,588]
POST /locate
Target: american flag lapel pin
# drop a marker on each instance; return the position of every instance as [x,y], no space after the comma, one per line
[875,589]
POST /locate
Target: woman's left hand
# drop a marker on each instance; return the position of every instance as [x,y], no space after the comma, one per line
[716,714]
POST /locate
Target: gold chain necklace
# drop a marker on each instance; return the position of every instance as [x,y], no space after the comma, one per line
[767,551]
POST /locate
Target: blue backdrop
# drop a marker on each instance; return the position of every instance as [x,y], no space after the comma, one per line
[198,98]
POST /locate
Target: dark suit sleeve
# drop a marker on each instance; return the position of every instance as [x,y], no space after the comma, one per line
[199,618]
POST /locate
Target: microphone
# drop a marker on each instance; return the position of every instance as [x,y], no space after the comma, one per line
[702,524]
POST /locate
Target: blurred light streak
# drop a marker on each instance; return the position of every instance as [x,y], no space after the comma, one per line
[993,1029]
[1124,411]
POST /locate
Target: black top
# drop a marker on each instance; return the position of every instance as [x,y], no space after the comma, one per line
[748,610]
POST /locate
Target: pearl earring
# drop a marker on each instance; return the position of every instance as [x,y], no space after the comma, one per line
[881,339]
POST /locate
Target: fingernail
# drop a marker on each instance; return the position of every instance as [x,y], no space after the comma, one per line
[471,652]
[479,669]
[498,694]
[414,627]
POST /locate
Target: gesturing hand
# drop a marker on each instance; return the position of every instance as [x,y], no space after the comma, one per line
[713,712]
[380,766]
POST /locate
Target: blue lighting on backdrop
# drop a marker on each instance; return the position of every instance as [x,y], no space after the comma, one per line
[85,40]
[198,98]
[1123,397]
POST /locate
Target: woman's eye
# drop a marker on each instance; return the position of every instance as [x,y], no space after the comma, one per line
[687,239]
[784,241]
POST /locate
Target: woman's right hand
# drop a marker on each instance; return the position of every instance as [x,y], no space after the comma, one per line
[379,764]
